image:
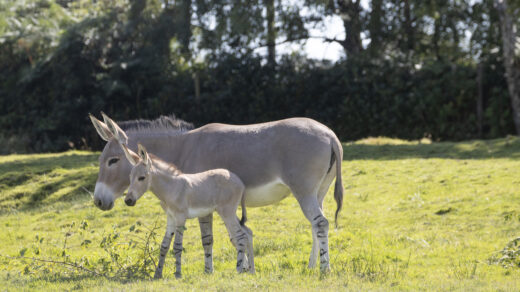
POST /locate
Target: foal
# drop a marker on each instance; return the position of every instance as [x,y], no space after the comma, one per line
[185,196]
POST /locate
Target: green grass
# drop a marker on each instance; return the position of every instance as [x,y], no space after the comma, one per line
[417,216]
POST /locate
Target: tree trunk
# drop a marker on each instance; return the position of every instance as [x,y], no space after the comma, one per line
[375,27]
[271,32]
[480,98]
[184,23]
[349,12]
[410,33]
[508,30]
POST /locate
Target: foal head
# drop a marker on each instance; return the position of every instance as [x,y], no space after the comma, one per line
[139,175]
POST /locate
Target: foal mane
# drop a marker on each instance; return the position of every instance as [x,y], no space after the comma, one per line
[167,166]
[162,123]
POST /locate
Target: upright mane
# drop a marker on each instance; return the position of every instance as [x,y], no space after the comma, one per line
[162,123]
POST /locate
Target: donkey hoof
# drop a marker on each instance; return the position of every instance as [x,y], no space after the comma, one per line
[241,270]
[325,270]
[178,275]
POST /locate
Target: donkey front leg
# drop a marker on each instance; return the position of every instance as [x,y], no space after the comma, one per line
[165,246]
[177,246]
[206,233]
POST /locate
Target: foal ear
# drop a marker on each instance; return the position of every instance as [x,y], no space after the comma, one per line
[143,154]
[132,158]
[101,128]
[116,131]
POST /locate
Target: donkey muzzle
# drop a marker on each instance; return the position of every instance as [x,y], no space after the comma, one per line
[130,202]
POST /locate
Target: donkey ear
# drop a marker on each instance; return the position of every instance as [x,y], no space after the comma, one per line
[131,156]
[116,131]
[143,154]
[101,128]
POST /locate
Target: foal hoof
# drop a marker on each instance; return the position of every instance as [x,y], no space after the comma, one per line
[157,276]
[178,275]
[241,270]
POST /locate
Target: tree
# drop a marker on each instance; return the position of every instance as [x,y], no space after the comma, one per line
[271,31]
[511,63]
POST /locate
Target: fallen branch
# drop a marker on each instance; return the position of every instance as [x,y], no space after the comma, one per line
[74,265]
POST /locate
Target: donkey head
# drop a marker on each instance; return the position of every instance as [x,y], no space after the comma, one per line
[114,168]
[139,176]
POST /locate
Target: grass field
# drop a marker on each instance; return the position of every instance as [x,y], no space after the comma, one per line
[416,217]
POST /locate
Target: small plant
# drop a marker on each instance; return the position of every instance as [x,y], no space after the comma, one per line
[464,269]
[509,256]
[128,257]
[377,268]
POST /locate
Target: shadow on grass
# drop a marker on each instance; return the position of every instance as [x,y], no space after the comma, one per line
[43,178]
[40,165]
[481,149]
[79,280]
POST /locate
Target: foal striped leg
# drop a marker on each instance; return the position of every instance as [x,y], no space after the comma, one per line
[165,246]
[177,249]
[206,233]
[239,238]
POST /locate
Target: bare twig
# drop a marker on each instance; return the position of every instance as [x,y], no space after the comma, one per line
[74,265]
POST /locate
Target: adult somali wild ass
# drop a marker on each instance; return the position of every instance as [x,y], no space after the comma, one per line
[297,155]
[185,196]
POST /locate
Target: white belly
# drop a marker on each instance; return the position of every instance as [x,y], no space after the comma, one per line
[192,212]
[266,194]
[199,212]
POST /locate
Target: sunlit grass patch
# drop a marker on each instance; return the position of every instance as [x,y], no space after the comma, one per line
[416,216]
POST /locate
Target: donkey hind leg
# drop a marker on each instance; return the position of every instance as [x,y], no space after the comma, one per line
[313,258]
[320,227]
[250,251]
[322,191]
[165,246]
[206,233]
[238,237]
[177,245]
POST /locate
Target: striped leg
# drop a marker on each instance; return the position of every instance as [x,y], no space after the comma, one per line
[320,227]
[250,251]
[321,224]
[206,233]
[165,246]
[177,248]
[238,239]
[314,251]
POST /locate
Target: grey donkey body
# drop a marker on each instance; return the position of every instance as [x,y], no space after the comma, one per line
[185,196]
[273,159]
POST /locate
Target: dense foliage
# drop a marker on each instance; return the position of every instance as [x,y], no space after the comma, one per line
[142,58]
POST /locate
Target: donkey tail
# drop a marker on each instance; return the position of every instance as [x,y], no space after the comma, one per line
[337,150]
[243,206]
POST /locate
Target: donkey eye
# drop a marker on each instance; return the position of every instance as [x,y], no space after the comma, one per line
[140,178]
[112,161]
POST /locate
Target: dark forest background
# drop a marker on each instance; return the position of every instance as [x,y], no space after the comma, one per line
[410,69]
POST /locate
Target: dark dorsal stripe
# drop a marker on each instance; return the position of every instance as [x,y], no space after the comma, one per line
[169,122]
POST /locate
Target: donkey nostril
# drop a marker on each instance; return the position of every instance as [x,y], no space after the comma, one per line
[97,202]
[128,202]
